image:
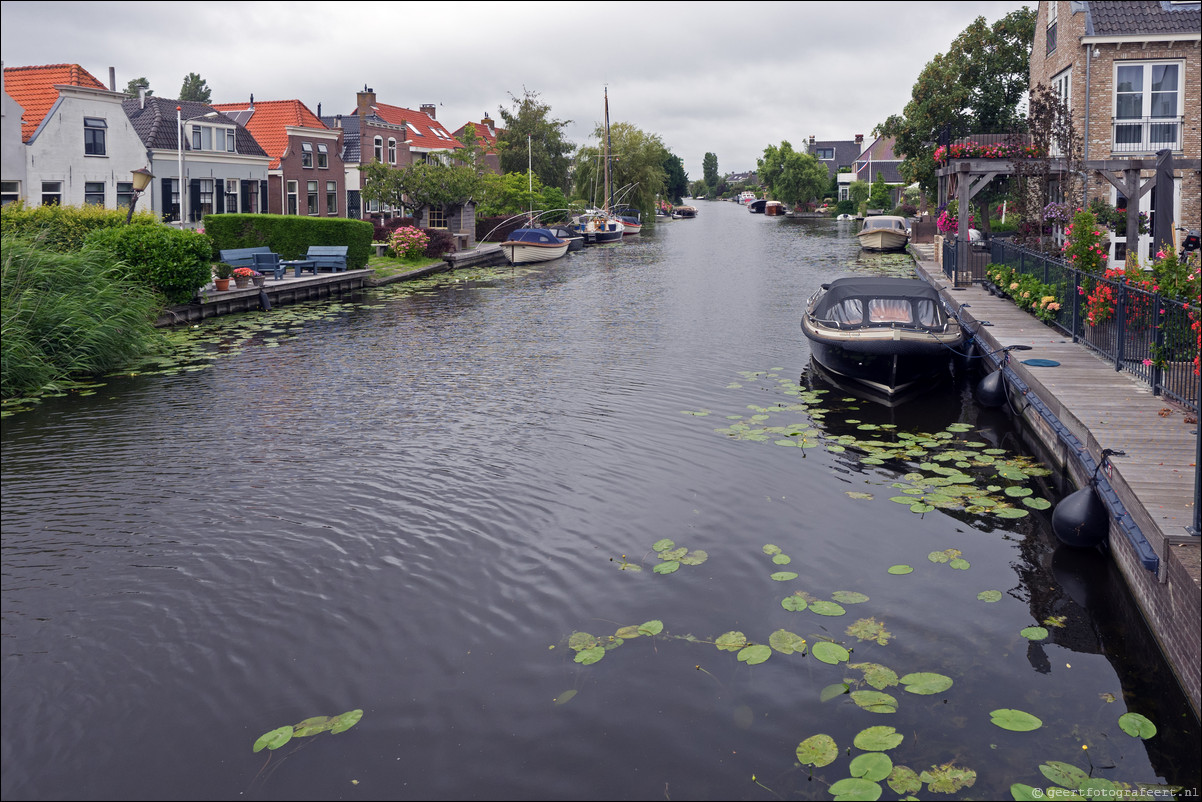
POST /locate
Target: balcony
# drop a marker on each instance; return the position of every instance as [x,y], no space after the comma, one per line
[1146,134]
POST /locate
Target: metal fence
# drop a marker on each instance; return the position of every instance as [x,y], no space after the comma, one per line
[1154,338]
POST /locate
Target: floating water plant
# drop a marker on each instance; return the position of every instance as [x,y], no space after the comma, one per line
[309,727]
[1137,726]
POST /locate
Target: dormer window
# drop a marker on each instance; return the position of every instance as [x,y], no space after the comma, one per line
[306,155]
[323,157]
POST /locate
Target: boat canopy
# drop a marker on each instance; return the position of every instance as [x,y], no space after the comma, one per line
[855,302]
[885,221]
[540,235]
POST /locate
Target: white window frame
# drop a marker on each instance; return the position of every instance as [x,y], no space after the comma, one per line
[291,201]
[323,157]
[311,192]
[307,155]
[379,148]
[52,192]
[232,195]
[10,192]
[331,198]
[391,150]
[1155,132]
[94,193]
[95,136]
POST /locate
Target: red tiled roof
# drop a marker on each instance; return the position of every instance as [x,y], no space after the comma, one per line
[486,134]
[33,88]
[269,120]
[423,130]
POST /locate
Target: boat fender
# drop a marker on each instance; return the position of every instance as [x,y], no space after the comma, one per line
[1080,519]
[991,390]
[264,301]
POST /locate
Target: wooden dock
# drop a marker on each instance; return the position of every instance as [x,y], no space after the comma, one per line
[1081,406]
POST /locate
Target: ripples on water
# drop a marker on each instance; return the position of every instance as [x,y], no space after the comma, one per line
[409,505]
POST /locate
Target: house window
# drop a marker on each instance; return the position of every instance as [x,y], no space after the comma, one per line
[1052,15]
[379,149]
[231,195]
[93,193]
[826,154]
[436,219]
[323,157]
[391,150]
[202,137]
[94,130]
[207,189]
[306,155]
[125,194]
[172,214]
[229,140]
[1147,106]
[311,187]
[292,190]
[331,197]
[52,193]
[10,192]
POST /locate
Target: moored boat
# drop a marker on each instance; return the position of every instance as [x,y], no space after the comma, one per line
[528,245]
[684,212]
[884,232]
[887,334]
[575,240]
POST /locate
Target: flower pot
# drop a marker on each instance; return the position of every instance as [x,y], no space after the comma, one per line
[222,283]
[259,280]
[241,282]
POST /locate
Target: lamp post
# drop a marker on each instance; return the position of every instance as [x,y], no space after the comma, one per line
[179,125]
[142,178]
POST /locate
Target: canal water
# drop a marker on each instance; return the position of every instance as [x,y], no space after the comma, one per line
[542,527]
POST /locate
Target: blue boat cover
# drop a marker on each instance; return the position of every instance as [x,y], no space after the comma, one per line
[540,235]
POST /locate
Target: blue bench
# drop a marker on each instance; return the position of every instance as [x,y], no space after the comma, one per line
[331,256]
[260,258]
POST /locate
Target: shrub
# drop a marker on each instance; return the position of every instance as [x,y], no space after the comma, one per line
[1084,246]
[382,229]
[845,206]
[67,315]
[441,242]
[175,262]
[409,242]
[290,235]
[63,228]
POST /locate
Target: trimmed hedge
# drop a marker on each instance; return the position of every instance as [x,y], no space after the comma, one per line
[63,229]
[174,262]
[290,235]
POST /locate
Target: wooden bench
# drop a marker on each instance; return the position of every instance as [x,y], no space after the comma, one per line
[245,257]
[331,256]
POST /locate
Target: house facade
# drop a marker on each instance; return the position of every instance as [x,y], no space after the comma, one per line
[836,155]
[305,174]
[1131,73]
[67,140]
[876,160]
[223,169]
[486,138]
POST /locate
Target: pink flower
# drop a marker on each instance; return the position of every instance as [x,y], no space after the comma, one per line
[1148,362]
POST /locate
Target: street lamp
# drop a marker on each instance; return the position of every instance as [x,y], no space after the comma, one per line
[142,178]
[179,119]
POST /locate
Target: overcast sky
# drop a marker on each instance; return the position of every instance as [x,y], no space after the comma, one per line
[727,78]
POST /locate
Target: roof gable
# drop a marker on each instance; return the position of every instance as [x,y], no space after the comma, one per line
[268,122]
[156,122]
[423,131]
[34,89]
[1135,17]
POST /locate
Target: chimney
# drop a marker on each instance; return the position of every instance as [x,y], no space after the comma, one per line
[811,139]
[337,120]
[319,111]
[860,139]
[112,79]
[252,101]
[429,110]
[364,101]
[141,97]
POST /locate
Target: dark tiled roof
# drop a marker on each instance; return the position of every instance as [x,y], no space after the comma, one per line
[1128,17]
[846,152]
[156,124]
[349,124]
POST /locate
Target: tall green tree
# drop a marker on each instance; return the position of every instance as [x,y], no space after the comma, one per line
[709,171]
[195,88]
[136,84]
[636,173]
[676,184]
[878,196]
[973,88]
[548,149]
[790,176]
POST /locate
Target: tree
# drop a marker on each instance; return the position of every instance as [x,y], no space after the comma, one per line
[709,171]
[676,179]
[858,192]
[136,84]
[974,88]
[472,152]
[195,88]
[636,174]
[790,176]
[878,196]
[547,149]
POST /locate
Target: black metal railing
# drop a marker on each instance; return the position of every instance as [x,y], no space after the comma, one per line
[1154,338]
[1146,134]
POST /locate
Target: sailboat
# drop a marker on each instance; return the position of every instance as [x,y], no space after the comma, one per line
[601,226]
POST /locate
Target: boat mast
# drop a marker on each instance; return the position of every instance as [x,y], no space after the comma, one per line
[607,198]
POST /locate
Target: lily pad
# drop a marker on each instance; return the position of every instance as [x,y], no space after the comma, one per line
[1064,774]
[856,788]
[900,570]
[1034,633]
[695,557]
[871,630]
[731,641]
[662,545]
[878,739]
[796,603]
[783,576]
[990,595]
[274,739]
[849,597]
[875,701]
[1014,720]
[344,721]
[589,656]
[829,608]
[831,691]
[667,568]
[653,627]
[948,778]
[1137,726]
[904,780]
[817,750]
[786,642]
[876,675]
[828,652]
[926,683]
[874,766]
[782,559]
[312,726]
[754,654]
[565,697]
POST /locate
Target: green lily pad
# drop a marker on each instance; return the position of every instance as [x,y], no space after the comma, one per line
[589,656]
[274,739]
[565,697]
[874,766]
[1010,512]
[628,633]
[1064,774]
[876,675]
[795,603]
[580,641]
[1014,720]
[990,595]
[666,568]
[878,739]
[1025,793]
[829,608]
[653,627]
[875,701]
[786,642]
[849,597]
[755,654]
[831,691]
[948,778]
[695,557]
[871,630]
[312,726]
[662,545]
[904,780]
[1137,726]
[1034,633]
[344,721]
[673,554]
[782,559]
[856,788]
[1037,503]
[926,683]
[817,751]
[731,641]
[831,653]
[900,570]
[771,549]
[783,576]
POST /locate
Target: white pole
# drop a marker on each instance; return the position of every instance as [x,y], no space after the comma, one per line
[179,122]
[530,177]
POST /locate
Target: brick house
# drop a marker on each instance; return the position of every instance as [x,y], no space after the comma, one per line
[306,175]
[486,137]
[836,154]
[1131,72]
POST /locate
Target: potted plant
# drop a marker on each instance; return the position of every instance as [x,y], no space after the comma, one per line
[242,276]
[221,275]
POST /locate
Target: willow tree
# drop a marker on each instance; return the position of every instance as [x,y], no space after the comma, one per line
[636,168]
